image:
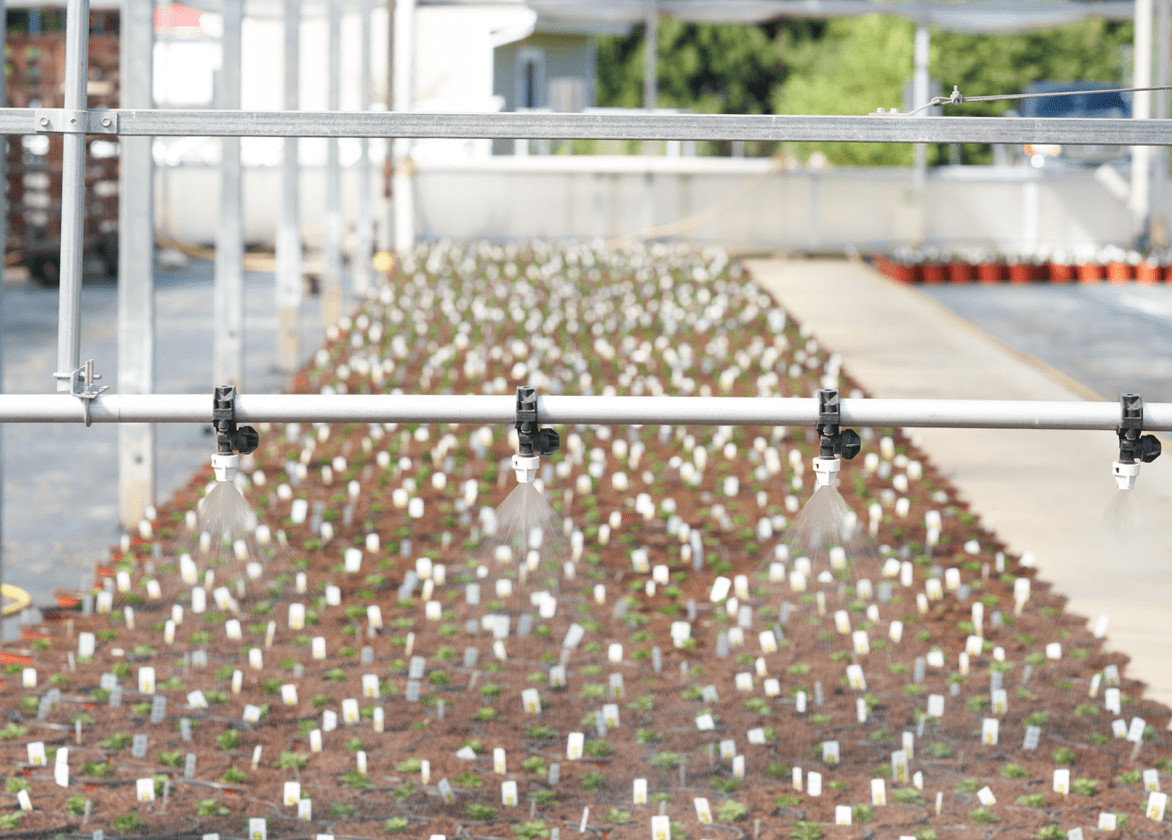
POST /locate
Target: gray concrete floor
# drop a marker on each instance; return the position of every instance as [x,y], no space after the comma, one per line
[1111,339]
[61,481]
[1042,491]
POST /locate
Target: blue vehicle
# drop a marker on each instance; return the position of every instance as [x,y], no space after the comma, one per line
[1077,106]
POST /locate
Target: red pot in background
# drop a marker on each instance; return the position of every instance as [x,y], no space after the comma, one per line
[960,273]
[1090,273]
[990,273]
[934,274]
[1119,273]
[1061,273]
[1022,273]
[1147,274]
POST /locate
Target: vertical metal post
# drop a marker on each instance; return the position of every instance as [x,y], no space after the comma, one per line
[331,292]
[1159,232]
[228,294]
[288,280]
[1141,110]
[403,192]
[136,243]
[650,54]
[385,238]
[364,240]
[77,43]
[921,83]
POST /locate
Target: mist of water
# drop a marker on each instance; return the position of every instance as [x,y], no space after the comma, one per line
[225,513]
[825,521]
[1123,520]
[527,542]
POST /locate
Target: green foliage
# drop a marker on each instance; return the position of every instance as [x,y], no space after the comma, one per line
[541,733]
[1085,787]
[75,805]
[617,816]
[404,792]
[534,764]
[531,830]
[803,830]
[593,781]
[982,816]
[597,749]
[15,784]
[938,749]
[862,813]
[968,786]
[342,811]
[468,780]
[409,765]
[234,777]
[1013,771]
[171,759]
[128,823]
[1033,800]
[1129,777]
[98,770]
[667,761]
[907,796]
[356,780]
[396,825]
[1051,832]
[730,811]
[211,808]
[291,760]
[228,741]
[1063,755]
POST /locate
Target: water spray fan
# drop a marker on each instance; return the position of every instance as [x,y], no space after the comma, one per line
[232,441]
[532,440]
[834,442]
[1135,447]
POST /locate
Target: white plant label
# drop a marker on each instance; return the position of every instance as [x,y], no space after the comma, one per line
[854,676]
[574,745]
[989,731]
[936,705]
[1062,781]
[292,793]
[509,793]
[797,779]
[899,766]
[814,783]
[703,812]
[146,680]
[705,723]
[1135,732]
[531,701]
[36,753]
[370,687]
[26,804]
[315,740]
[756,736]
[144,790]
[251,713]
[1000,701]
[661,828]
[640,792]
[728,748]
[772,688]
[878,792]
[744,681]
[1157,802]
[610,713]
[830,752]
[862,643]
[909,744]
[1107,821]
[895,631]
[305,809]
[842,814]
[986,797]
[350,711]
[1151,780]
[498,761]
[257,828]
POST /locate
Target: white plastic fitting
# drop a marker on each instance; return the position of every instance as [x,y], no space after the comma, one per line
[1125,474]
[526,467]
[826,472]
[225,466]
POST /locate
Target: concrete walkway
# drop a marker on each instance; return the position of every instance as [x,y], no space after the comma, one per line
[1040,491]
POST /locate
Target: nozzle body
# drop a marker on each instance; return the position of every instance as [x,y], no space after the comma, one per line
[225,465]
[526,467]
[1125,474]
[826,472]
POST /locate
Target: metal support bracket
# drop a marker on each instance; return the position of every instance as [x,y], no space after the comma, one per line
[61,121]
[88,390]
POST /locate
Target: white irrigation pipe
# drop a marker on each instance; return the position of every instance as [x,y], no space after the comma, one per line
[564,410]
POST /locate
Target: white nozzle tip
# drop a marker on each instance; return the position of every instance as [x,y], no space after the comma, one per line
[526,467]
[1125,474]
[826,472]
[225,466]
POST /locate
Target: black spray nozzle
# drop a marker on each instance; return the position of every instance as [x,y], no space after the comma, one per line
[1134,445]
[532,439]
[230,437]
[832,438]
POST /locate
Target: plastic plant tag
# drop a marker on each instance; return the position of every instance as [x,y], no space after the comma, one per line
[895,631]
[768,641]
[614,652]
[138,746]
[918,780]
[378,719]
[878,792]
[1135,732]
[756,736]
[445,791]
[1157,802]
[1000,701]
[936,705]
[28,678]
[800,703]
[744,681]
[146,680]
[237,681]
[498,761]
[232,630]
[574,636]
[1054,650]
[854,676]
[61,773]
[85,644]
[736,636]
[842,622]
[797,581]
[1107,821]
[1119,728]
[908,740]
[830,752]
[258,828]
[973,645]
[933,590]
[509,793]
[728,748]
[989,729]
[703,812]
[610,714]
[292,793]
[305,810]
[1062,781]
[575,743]
[661,827]
[425,770]
[36,753]
[842,814]
[797,779]
[1096,681]
[1151,780]
[1111,675]
[251,713]
[952,579]
[1112,700]
[144,790]
[1032,736]
[814,783]
[899,766]
[329,721]
[315,740]
[705,723]
[614,686]
[986,797]
[557,676]
[862,643]
[296,616]
[255,659]
[772,688]
[934,659]
[26,803]
[738,767]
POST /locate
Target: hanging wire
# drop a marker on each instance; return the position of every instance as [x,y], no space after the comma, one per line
[957,98]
